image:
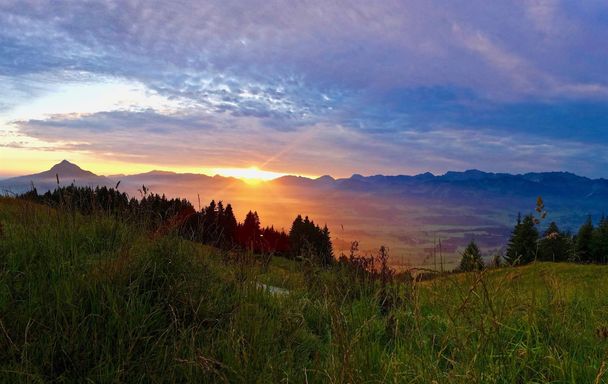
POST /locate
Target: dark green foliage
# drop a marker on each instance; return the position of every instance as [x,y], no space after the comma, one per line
[584,237]
[152,210]
[599,242]
[590,245]
[213,225]
[555,245]
[229,227]
[523,246]
[251,236]
[326,252]
[250,232]
[308,239]
[471,258]
[275,242]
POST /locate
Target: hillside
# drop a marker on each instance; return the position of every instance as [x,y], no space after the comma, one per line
[98,299]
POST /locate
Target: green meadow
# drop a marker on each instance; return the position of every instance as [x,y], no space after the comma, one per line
[98,299]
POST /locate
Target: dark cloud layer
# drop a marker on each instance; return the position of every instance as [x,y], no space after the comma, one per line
[387,87]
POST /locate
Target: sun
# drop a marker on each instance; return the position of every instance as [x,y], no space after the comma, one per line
[251,175]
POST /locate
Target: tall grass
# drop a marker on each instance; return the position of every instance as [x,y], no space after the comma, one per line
[97,299]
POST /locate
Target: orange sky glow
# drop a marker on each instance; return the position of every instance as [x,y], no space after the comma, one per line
[17,162]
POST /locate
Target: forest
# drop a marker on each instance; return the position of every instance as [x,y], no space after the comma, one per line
[213,224]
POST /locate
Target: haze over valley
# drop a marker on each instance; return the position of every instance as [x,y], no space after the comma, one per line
[409,214]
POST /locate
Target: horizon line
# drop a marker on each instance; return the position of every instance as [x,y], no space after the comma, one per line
[310,177]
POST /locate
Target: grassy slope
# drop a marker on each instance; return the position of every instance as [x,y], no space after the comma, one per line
[94,298]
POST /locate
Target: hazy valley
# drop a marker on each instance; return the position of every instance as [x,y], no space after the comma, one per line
[409,214]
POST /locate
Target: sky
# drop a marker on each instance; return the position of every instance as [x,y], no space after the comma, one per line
[304,87]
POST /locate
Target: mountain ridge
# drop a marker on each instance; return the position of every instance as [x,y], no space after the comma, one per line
[470,178]
[68,168]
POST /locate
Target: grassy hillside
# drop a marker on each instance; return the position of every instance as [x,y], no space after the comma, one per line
[97,299]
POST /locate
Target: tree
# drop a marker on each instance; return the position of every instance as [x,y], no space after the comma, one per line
[583,242]
[599,242]
[554,246]
[210,235]
[229,227]
[250,231]
[326,252]
[273,241]
[522,247]
[308,239]
[471,258]
[296,238]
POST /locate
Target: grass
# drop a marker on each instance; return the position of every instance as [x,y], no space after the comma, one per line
[95,299]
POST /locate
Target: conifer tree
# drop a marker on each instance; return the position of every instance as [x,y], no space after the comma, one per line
[554,245]
[599,242]
[584,238]
[251,231]
[229,226]
[296,239]
[326,252]
[308,239]
[522,247]
[471,258]
[209,223]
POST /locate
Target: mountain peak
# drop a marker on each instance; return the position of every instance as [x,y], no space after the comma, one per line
[63,165]
[157,172]
[468,175]
[67,169]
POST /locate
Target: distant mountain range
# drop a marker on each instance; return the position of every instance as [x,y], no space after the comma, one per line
[450,185]
[408,213]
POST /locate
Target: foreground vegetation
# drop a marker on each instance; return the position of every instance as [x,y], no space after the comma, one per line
[97,298]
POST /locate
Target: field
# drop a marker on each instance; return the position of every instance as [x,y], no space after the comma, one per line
[97,299]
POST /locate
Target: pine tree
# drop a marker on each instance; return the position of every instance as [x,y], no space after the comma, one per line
[471,258]
[210,223]
[599,242]
[554,245]
[523,246]
[229,227]
[308,239]
[326,252]
[296,239]
[251,231]
[583,242]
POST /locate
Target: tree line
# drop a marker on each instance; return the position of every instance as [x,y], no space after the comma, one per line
[214,224]
[588,245]
[528,243]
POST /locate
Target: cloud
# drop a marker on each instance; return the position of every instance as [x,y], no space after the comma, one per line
[174,139]
[354,80]
[184,47]
[192,140]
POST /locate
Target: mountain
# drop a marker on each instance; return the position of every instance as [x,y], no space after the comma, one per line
[64,172]
[410,214]
[472,183]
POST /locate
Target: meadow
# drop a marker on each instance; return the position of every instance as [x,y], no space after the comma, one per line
[99,299]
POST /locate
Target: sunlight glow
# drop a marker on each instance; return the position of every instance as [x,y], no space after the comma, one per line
[251,175]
